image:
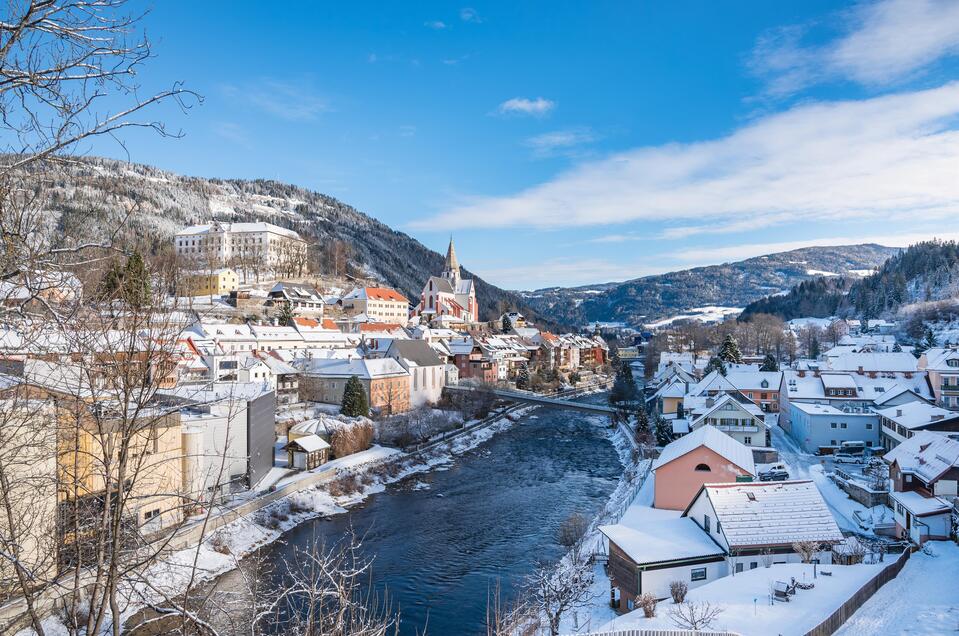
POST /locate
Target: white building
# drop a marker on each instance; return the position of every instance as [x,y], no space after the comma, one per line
[379,304]
[249,244]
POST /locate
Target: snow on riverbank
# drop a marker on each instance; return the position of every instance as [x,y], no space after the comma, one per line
[745,600]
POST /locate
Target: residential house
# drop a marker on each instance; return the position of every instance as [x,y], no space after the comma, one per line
[379,304]
[942,366]
[733,414]
[901,422]
[820,428]
[302,298]
[217,282]
[427,371]
[284,378]
[277,337]
[386,382]
[759,521]
[307,452]
[706,455]
[924,471]
[648,558]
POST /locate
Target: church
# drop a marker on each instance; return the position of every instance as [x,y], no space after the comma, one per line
[449,297]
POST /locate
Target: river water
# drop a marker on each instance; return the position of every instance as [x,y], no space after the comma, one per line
[441,541]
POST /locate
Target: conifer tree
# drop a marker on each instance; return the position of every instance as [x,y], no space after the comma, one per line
[523,378]
[507,324]
[769,363]
[663,430]
[643,431]
[729,351]
[715,364]
[814,349]
[355,403]
[285,316]
[136,281]
[624,387]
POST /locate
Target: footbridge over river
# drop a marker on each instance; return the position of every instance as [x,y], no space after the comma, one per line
[559,400]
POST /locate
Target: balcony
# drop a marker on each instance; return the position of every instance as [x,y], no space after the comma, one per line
[949,388]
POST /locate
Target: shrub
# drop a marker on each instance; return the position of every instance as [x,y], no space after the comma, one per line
[219,544]
[678,590]
[648,602]
[344,486]
[298,506]
[352,438]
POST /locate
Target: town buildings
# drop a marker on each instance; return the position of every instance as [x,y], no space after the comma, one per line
[924,471]
[377,304]
[255,246]
[942,367]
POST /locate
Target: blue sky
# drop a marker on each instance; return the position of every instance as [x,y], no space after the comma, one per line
[565,143]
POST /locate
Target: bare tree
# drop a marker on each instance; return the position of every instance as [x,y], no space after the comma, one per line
[694,615]
[807,550]
[555,589]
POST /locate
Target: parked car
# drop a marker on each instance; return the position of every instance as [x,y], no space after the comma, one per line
[846,458]
[776,472]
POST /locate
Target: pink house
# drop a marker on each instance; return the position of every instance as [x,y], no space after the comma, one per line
[705,456]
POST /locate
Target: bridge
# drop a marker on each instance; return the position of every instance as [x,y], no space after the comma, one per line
[557,400]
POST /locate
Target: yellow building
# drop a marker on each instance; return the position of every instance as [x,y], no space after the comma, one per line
[218,282]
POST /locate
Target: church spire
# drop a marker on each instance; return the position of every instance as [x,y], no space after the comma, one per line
[451,268]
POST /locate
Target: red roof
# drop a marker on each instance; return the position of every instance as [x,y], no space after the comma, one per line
[385,293]
[379,326]
[329,324]
[307,322]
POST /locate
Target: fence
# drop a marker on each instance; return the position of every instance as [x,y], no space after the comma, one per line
[660,632]
[847,609]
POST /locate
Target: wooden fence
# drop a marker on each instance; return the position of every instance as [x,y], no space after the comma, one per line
[660,632]
[847,609]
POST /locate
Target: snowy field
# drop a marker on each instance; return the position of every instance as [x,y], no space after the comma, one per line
[702,314]
[923,600]
[745,600]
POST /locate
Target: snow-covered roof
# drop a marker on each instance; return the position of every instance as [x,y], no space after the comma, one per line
[828,409]
[239,228]
[916,415]
[713,439]
[771,513]
[310,443]
[897,361]
[668,540]
[376,293]
[937,359]
[754,380]
[926,454]
[361,367]
[806,385]
[838,381]
[921,506]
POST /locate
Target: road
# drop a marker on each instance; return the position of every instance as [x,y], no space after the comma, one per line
[803,465]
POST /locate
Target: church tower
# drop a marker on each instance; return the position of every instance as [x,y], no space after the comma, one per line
[451,270]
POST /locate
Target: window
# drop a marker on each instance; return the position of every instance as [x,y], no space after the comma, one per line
[832,442]
[719,527]
[908,479]
[697,574]
[150,514]
[748,441]
[703,468]
[707,523]
[753,565]
[843,425]
[739,567]
[868,426]
[832,425]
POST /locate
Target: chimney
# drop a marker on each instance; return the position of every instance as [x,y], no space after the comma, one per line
[859,371]
[802,373]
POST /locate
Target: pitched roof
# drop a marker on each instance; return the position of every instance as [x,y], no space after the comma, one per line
[926,454]
[376,293]
[418,352]
[917,415]
[771,513]
[713,439]
[309,443]
[900,361]
[451,263]
[668,540]
[259,226]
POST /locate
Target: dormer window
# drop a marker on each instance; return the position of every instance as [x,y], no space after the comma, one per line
[953,362]
[764,384]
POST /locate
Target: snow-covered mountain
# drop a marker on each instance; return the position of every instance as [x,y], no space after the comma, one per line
[93,195]
[652,298]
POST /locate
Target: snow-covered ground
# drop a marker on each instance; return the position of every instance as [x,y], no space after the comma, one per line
[819,272]
[923,600]
[746,605]
[711,313]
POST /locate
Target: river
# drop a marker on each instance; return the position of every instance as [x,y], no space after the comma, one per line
[442,540]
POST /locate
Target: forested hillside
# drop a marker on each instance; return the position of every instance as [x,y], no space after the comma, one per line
[927,271]
[730,284]
[98,195]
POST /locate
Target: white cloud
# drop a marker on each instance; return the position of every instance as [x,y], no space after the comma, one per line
[880,43]
[524,106]
[470,15]
[559,141]
[289,100]
[870,159]
[436,25]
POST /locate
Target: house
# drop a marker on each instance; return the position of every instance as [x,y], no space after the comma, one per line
[379,304]
[706,455]
[427,371]
[302,299]
[449,294]
[647,559]
[925,472]
[217,282]
[885,362]
[733,414]
[470,361]
[759,521]
[307,452]
[821,427]
[762,387]
[284,378]
[899,423]
[942,366]
[387,384]
[277,337]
